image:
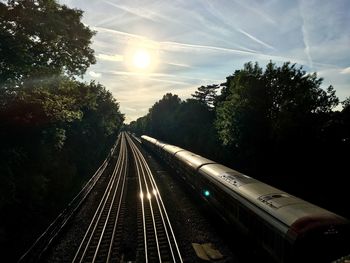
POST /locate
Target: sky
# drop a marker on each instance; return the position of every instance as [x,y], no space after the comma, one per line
[188,43]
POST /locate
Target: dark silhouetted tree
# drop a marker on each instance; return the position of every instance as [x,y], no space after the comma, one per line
[266,116]
[54,130]
[40,38]
[162,116]
[206,94]
[276,99]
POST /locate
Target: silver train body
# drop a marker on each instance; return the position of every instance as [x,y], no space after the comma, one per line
[288,228]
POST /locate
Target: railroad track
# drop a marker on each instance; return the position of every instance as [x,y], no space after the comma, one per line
[156,239]
[102,240]
[126,225]
[43,242]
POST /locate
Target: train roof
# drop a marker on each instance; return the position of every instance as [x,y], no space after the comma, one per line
[287,208]
[297,214]
[172,149]
[160,144]
[149,139]
[154,141]
[192,159]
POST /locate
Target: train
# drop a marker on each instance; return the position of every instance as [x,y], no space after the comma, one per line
[288,228]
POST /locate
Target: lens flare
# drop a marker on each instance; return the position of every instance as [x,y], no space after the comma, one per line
[141,59]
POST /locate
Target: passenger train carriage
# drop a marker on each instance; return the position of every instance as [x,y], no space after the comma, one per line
[288,228]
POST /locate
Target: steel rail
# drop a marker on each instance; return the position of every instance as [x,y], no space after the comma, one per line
[118,172]
[111,207]
[151,184]
[138,171]
[99,207]
[161,204]
[157,195]
[42,243]
[139,161]
[164,209]
[119,207]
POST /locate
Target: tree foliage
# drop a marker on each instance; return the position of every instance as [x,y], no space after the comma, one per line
[54,130]
[52,138]
[39,38]
[186,123]
[206,94]
[162,115]
[278,100]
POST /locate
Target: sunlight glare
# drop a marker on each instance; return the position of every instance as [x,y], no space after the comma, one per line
[141,59]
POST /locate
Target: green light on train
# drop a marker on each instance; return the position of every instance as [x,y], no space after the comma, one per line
[206,193]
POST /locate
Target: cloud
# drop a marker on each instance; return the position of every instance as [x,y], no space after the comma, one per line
[94,74]
[139,12]
[130,109]
[257,11]
[307,46]
[345,71]
[153,12]
[181,65]
[164,77]
[172,45]
[305,34]
[201,42]
[254,38]
[113,31]
[115,57]
[175,46]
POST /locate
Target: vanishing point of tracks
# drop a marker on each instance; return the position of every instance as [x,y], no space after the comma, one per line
[156,238]
[105,237]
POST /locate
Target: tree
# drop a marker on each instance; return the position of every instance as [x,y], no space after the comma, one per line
[266,114]
[52,138]
[345,127]
[161,116]
[195,130]
[140,126]
[277,97]
[40,38]
[206,94]
[346,103]
[54,130]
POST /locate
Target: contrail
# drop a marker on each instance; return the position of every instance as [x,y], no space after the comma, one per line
[255,39]
[305,37]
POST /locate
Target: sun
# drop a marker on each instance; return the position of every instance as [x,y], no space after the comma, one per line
[141,59]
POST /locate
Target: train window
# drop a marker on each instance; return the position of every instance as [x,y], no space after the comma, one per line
[268,236]
[234,209]
[279,246]
[225,200]
[246,218]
